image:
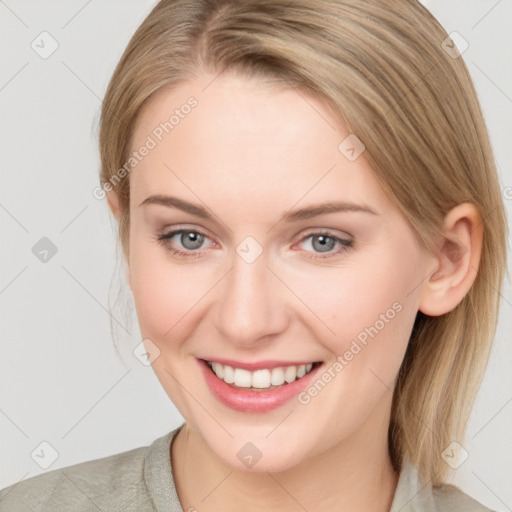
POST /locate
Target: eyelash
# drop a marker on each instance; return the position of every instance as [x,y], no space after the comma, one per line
[163,239]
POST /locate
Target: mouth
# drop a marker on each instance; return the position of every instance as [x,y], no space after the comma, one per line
[260,390]
[263,379]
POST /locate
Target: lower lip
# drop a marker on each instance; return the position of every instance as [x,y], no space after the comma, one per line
[244,400]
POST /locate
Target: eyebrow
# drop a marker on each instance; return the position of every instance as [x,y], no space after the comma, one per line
[288,216]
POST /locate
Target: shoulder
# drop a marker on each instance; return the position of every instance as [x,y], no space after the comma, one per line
[111,483]
[413,495]
[450,497]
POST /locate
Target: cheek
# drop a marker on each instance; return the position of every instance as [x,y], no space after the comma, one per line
[369,309]
[163,292]
[364,311]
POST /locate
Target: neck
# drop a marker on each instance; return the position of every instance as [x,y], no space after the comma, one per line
[355,475]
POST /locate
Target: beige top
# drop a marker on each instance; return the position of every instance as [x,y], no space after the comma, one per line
[141,480]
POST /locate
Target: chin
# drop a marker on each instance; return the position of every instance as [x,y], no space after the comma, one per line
[250,450]
[272,463]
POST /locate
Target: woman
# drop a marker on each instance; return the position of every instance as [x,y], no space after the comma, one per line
[305,193]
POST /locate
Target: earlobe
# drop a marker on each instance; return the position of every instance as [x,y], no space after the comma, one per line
[458,260]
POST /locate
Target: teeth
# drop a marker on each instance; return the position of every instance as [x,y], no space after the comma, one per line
[277,377]
[242,378]
[218,369]
[260,379]
[229,374]
[290,374]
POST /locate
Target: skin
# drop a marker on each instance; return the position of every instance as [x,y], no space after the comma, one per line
[249,153]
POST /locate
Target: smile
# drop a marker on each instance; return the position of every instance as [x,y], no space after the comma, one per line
[261,389]
[266,378]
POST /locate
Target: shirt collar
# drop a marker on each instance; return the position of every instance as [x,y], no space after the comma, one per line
[158,474]
[411,494]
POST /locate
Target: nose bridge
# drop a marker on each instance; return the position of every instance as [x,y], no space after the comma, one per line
[249,307]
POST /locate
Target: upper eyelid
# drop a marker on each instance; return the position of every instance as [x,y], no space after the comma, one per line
[171,229]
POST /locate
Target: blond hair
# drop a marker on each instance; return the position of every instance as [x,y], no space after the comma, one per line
[384,70]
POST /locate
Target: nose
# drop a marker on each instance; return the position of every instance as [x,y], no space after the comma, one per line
[252,303]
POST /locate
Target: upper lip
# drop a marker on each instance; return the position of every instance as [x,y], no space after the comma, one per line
[256,365]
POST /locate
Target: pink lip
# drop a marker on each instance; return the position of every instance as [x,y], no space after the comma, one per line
[254,401]
[259,365]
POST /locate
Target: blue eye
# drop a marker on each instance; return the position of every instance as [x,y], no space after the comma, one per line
[326,242]
[191,240]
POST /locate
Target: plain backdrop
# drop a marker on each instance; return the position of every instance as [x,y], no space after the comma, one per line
[66,396]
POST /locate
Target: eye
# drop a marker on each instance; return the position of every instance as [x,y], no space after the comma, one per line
[324,242]
[190,240]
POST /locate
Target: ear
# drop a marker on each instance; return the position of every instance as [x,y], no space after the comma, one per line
[458,259]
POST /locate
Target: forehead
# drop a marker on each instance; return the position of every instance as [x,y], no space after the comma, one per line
[248,140]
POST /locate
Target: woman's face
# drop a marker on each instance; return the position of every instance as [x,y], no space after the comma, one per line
[257,284]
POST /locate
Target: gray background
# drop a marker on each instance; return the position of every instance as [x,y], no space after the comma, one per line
[61,381]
